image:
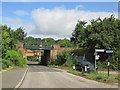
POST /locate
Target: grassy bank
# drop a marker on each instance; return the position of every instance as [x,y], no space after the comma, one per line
[100,77]
[7,69]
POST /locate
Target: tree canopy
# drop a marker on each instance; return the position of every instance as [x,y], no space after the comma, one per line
[64,42]
[9,50]
[100,33]
[19,34]
[47,41]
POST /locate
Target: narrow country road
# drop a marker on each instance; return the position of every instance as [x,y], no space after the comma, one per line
[44,77]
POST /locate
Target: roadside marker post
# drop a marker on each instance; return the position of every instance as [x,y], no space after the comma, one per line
[108,68]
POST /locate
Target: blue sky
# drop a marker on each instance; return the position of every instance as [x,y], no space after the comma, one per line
[89,6]
[31,14]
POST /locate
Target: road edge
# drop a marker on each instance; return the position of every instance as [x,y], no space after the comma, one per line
[66,71]
[23,77]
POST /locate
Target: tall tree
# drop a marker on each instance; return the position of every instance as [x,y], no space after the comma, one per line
[100,33]
[64,42]
[19,34]
[48,41]
[7,40]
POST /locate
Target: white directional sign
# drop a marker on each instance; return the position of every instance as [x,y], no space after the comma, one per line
[99,50]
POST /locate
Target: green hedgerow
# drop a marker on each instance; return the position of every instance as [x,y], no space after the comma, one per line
[15,57]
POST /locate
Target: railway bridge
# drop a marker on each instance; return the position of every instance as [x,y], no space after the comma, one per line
[42,52]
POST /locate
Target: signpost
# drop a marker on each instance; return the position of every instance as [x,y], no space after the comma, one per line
[97,56]
[40,53]
[109,52]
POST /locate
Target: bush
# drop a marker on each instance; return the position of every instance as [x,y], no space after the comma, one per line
[5,63]
[102,65]
[68,63]
[53,62]
[0,64]
[62,57]
[15,57]
[65,58]
[32,58]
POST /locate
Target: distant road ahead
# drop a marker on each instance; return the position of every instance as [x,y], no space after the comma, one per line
[44,77]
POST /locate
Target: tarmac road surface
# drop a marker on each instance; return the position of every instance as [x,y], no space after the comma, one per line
[45,77]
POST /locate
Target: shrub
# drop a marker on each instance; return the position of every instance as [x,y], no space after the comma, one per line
[15,57]
[65,58]
[68,62]
[53,62]
[32,58]
[0,64]
[62,57]
[5,63]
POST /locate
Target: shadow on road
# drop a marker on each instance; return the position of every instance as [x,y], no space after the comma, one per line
[36,67]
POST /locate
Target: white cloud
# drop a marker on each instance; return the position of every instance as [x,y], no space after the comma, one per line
[17,22]
[56,23]
[46,36]
[21,13]
[61,22]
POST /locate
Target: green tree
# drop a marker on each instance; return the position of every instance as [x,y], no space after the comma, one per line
[19,34]
[15,57]
[29,40]
[10,55]
[64,42]
[100,33]
[79,35]
[48,41]
[62,57]
[7,40]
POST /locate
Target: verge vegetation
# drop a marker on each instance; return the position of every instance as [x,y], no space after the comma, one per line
[11,57]
[100,34]
[112,79]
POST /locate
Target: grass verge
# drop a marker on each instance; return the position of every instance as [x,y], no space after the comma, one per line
[11,67]
[100,77]
[7,69]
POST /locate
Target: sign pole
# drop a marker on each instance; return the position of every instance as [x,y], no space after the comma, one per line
[109,52]
[97,56]
[95,59]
